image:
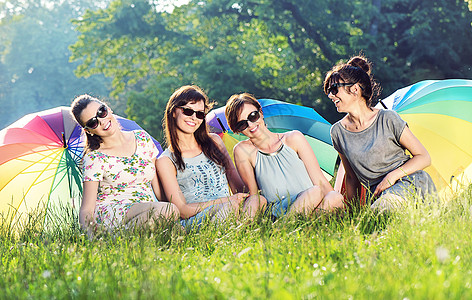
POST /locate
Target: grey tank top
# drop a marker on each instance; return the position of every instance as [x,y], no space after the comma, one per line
[202,179]
[281,174]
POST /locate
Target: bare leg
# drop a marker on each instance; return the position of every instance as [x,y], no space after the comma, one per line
[221,211]
[388,203]
[253,204]
[307,201]
[333,200]
[143,212]
[312,199]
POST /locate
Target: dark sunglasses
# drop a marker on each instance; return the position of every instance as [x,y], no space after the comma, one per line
[102,112]
[189,112]
[333,89]
[243,124]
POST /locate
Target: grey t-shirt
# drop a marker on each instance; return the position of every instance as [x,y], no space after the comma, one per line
[374,151]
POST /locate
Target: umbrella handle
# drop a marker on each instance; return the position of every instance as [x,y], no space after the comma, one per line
[383,105]
[221,124]
[64,143]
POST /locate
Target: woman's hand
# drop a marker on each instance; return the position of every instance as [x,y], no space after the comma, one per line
[237,199]
[386,182]
[89,200]
[90,228]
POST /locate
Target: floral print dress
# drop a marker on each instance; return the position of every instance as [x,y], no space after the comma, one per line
[123,180]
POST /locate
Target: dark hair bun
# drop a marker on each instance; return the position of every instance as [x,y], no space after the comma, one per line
[361,63]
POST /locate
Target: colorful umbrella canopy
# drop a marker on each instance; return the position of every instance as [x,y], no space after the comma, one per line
[439,113]
[40,157]
[281,117]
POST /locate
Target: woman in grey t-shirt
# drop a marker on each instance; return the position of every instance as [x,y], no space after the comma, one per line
[372,142]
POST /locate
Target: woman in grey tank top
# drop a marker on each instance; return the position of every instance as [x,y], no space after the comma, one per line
[372,142]
[280,166]
[196,171]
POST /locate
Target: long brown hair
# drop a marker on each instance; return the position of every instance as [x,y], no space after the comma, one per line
[182,96]
[92,142]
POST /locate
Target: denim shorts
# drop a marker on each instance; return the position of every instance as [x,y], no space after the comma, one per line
[418,183]
[211,212]
[280,207]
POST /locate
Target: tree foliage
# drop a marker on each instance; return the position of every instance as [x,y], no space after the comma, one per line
[35,72]
[273,48]
[469,2]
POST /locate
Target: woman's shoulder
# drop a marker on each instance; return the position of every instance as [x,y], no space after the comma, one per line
[388,114]
[216,138]
[293,134]
[338,125]
[390,117]
[94,154]
[141,135]
[292,137]
[243,147]
[166,159]
[166,153]
[218,141]
[244,144]
[93,157]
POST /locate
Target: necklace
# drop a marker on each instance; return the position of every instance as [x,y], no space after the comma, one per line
[279,139]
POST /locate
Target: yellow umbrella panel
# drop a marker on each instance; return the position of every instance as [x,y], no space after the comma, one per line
[439,113]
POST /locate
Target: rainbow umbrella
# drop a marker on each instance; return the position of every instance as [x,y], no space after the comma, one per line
[281,117]
[40,157]
[439,113]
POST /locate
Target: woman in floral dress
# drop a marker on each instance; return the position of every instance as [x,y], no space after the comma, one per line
[120,179]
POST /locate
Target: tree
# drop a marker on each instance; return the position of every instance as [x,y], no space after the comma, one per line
[421,42]
[407,40]
[37,73]
[469,2]
[273,48]
[157,52]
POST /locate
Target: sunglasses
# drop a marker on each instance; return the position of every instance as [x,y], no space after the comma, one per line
[102,112]
[243,124]
[333,89]
[189,112]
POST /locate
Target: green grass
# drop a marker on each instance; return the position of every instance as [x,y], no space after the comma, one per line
[422,252]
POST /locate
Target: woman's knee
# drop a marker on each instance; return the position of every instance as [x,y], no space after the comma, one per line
[333,200]
[314,195]
[308,200]
[253,204]
[137,209]
[388,203]
[256,201]
[165,210]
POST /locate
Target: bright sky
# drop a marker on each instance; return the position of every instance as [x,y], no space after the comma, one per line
[168,5]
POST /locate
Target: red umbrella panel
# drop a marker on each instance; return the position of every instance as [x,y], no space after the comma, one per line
[40,163]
